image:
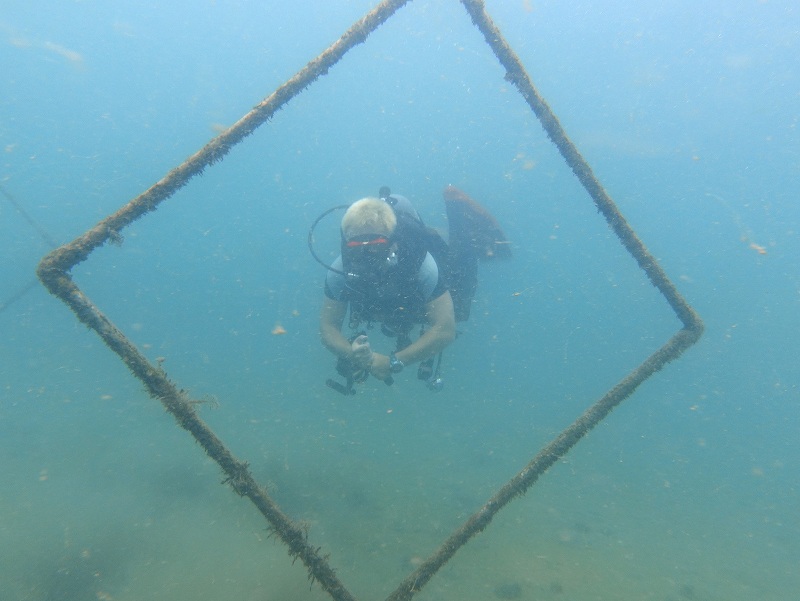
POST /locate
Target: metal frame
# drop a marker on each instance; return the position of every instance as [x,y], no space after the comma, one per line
[54,272]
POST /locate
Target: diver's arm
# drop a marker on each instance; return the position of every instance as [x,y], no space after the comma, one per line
[441,332]
[330,327]
[330,330]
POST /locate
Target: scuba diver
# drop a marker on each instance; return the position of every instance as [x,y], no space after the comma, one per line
[395,271]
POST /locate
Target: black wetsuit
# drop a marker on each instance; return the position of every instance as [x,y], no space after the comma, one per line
[396,296]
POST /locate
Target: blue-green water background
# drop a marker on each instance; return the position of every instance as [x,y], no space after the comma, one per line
[687,112]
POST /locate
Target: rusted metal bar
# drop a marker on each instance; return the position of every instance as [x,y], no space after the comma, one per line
[674,348]
[551,453]
[516,74]
[69,255]
[54,270]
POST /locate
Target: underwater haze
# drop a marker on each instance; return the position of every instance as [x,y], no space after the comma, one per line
[687,113]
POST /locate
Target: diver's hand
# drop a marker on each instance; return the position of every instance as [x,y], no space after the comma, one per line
[380,367]
[361,353]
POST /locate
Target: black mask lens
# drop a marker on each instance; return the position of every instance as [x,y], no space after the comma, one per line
[367,253]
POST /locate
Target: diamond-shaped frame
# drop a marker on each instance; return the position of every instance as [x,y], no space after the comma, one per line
[54,271]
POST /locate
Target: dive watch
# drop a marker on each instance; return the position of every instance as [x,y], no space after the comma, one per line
[395,365]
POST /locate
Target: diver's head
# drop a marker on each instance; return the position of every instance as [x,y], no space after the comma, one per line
[367,229]
[368,216]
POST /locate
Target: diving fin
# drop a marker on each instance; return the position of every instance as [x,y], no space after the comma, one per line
[472,227]
[474,235]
